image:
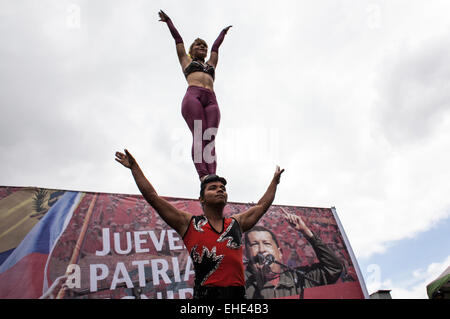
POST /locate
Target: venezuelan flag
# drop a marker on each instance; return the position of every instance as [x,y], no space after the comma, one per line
[22,270]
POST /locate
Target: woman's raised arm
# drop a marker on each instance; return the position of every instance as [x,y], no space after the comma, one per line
[181,51]
[214,58]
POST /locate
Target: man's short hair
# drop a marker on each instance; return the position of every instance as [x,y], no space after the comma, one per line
[209,179]
[262,228]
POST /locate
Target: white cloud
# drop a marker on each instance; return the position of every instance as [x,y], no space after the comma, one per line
[404,169]
[414,95]
[415,287]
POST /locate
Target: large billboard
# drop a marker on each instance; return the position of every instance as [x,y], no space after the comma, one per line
[116,246]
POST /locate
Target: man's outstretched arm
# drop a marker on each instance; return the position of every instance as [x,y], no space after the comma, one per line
[329,268]
[174,217]
[249,218]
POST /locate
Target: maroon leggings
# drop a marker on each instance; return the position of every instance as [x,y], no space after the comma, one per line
[200,104]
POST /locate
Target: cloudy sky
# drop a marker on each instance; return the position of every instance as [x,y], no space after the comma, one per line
[352,98]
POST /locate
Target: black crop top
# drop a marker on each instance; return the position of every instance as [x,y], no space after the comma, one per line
[196,66]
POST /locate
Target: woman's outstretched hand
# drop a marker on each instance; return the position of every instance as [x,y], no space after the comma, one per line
[126,159]
[227,28]
[163,16]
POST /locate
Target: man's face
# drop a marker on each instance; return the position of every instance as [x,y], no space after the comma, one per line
[263,243]
[215,193]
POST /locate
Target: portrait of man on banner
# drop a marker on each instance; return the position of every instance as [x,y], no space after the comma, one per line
[269,274]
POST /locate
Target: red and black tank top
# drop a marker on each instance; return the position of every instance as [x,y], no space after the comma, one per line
[217,256]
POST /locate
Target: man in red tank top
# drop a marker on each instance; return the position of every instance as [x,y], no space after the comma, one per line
[213,241]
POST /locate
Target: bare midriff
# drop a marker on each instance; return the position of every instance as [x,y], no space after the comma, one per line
[201,79]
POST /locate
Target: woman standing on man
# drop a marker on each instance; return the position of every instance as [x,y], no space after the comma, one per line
[199,103]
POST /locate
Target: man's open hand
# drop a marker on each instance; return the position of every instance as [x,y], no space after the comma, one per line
[277,174]
[126,159]
[297,222]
